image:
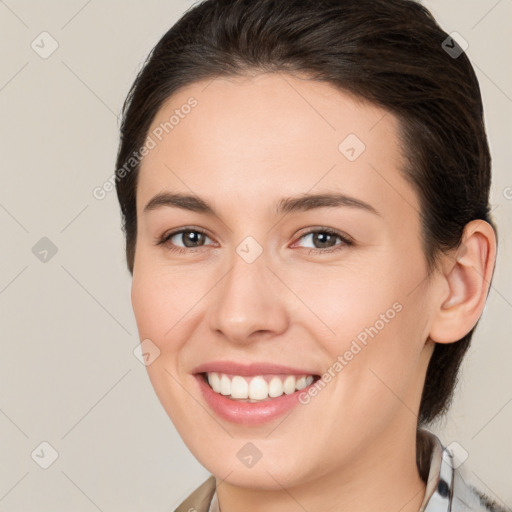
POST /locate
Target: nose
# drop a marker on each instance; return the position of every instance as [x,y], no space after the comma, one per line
[249,303]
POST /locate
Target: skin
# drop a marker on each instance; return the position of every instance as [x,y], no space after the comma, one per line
[250,142]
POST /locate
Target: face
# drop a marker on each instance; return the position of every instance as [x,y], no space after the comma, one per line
[284,247]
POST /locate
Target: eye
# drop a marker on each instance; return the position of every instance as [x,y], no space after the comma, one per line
[192,239]
[184,240]
[324,240]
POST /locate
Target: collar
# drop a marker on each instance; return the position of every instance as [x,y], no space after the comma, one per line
[439,488]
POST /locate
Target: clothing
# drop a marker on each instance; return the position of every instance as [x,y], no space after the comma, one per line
[447,489]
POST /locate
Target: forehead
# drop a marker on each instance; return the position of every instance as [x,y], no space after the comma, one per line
[257,136]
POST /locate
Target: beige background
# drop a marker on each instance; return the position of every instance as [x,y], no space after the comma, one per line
[68,375]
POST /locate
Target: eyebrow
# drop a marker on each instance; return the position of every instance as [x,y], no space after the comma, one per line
[302,203]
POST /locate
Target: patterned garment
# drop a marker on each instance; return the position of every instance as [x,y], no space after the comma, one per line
[447,488]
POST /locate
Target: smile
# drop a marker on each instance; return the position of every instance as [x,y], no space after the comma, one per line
[252,393]
[257,388]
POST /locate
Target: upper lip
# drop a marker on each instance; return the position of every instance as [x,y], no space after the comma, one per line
[257,368]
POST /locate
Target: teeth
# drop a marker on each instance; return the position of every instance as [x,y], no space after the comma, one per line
[214,381]
[256,388]
[275,387]
[289,385]
[239,388]
[225,385]
[301,383]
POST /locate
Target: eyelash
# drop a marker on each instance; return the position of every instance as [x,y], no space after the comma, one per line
[166,237]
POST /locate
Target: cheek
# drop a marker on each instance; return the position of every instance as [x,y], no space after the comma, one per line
[372,378]
[373,321]
[161,298]
[345,302]
[162,302]
[380,364]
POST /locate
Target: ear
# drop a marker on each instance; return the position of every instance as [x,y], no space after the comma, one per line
[466,280]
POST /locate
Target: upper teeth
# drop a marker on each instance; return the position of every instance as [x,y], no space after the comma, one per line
[258,387]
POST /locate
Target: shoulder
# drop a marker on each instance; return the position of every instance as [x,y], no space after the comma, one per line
[467,497]
[487,502]
[200,499]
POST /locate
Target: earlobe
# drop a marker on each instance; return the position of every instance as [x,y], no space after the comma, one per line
[467,276]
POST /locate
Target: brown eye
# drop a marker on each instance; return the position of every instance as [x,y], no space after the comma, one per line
[325,240]
[189,238]
[184,239]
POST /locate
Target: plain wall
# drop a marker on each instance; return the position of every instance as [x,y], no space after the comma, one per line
[68,375]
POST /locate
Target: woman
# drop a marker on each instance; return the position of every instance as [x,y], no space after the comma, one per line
[304,188]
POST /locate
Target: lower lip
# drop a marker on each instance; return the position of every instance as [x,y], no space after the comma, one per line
[245,412]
